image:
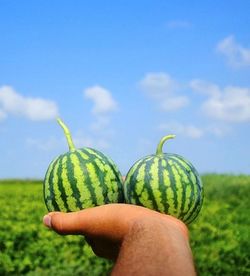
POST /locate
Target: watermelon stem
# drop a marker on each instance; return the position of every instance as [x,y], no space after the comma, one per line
[163,140]
[67,134]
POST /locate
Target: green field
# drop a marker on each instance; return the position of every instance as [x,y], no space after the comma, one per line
[220,237]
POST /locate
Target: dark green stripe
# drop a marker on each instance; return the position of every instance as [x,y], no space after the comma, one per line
[198,179]
[51,184]
[73,181]
[136,196]
[105,158]
[172,185]
[61,187]
[185,160]
[104,186]
[162,185]
[88,182]
[117,174]
[94,154]
[195,211]
[131,182]
[147,183]
[192,168]
[183,196]
[196,197]
[119,184]
[89,154]
[46,182]
[191,199]
[114,169]
[199,199]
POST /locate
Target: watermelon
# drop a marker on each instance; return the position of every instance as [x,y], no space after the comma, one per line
[81,178]
[167,183]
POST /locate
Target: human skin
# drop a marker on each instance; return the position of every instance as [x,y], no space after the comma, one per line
[139,240]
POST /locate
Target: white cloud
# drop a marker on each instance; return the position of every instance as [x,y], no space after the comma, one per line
[158,85]
[32,108]
[194,132]
[174,103]
[102,99]
[178,24]
[163,89]
[103,144]
[190,131]
[3,115]
[205,88]
[229,104]
[236,55]
[82,140]
[218,130]
[232,106]
[49,144]
[101,122]
[103,106]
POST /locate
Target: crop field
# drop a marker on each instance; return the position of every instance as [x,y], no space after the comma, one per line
[220,237]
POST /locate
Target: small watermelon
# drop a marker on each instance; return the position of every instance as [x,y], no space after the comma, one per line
[81,178]
[167,183]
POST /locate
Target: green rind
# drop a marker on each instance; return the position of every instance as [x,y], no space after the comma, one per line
[134,177]
[169,184]
[81,179]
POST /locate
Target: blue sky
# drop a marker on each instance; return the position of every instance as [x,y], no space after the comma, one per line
[122,74]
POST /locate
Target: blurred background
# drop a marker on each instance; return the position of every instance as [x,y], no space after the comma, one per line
[122,74]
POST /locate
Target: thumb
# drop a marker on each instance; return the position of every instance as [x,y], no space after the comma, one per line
[75,223]
[63,223]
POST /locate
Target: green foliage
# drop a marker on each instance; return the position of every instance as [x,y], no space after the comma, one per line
[27,247]
[219,237]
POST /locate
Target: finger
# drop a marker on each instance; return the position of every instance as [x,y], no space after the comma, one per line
[95,221]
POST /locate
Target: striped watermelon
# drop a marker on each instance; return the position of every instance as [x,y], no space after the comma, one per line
[81,178]
[167,183]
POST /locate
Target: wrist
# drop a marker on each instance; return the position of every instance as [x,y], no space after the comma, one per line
[155,246]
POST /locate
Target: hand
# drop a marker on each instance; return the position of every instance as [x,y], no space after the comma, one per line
[105,227]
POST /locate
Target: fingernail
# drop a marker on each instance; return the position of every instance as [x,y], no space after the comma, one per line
[47,220]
